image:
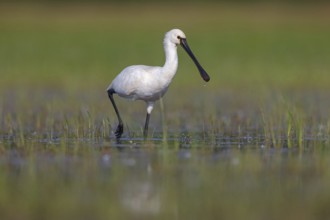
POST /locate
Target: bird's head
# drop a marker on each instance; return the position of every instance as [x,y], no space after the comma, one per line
[175,36]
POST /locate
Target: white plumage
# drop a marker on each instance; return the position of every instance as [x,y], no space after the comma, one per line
[141,82]
[150,83]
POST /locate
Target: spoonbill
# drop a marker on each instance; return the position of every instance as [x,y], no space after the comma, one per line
[150,83]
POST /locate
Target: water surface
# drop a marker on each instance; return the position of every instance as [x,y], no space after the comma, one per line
[155,179]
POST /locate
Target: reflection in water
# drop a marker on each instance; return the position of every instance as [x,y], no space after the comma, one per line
[139,191]
[189,183]
[141,197]
[160,182]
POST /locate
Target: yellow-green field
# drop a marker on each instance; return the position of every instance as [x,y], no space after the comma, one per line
[253,143]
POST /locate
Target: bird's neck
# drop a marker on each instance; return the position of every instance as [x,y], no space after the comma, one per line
[171,60]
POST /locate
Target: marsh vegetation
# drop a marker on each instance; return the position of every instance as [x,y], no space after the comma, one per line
[253,143]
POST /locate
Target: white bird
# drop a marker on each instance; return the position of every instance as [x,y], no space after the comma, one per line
[150,83]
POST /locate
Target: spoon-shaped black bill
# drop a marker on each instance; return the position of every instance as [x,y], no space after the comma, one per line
[185,46]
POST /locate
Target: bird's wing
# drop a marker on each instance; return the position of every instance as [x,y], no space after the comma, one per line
[135,79]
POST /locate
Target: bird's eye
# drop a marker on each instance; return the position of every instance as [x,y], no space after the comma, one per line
[179,37]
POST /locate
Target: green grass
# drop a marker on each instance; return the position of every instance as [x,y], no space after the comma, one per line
[253,143]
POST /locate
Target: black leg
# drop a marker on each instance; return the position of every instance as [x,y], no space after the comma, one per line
[145,131]
[120,127]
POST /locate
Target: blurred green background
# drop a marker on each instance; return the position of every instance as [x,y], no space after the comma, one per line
[52,54]
[73,44]
[56,53]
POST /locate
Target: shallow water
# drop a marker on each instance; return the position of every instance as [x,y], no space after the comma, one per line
[182,178]
[61,161]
